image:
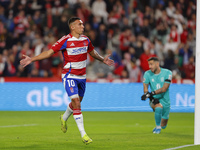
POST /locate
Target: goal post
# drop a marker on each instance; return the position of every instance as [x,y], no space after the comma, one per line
[197,79]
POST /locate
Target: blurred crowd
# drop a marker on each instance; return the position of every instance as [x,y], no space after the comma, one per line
[130,30]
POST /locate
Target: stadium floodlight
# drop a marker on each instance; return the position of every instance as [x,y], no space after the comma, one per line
[197,79]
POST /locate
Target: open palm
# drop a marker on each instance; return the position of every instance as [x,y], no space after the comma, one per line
[108,61]
[25,61]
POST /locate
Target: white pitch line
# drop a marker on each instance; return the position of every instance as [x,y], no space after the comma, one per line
[23,125]
[179,147]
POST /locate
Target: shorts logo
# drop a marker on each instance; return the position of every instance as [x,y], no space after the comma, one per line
[71,89]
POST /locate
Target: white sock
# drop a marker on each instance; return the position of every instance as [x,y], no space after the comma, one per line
[67,113]
[79,122]
[158,127]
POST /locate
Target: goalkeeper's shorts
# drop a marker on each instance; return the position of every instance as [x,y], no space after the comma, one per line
[165,111]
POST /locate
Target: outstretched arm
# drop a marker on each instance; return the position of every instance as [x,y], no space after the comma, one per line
[106,60]
[27,60]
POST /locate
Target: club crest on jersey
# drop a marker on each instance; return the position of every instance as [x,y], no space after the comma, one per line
[162,79]
[84,43]
[152,80]
[71,89]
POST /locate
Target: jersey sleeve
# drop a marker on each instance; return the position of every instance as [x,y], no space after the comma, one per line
[90,46]
[168,77]
[60,44]
[146,78]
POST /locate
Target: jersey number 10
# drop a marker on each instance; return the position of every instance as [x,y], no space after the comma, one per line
[71,83]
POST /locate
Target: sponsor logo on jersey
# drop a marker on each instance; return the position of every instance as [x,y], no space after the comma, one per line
[79,50]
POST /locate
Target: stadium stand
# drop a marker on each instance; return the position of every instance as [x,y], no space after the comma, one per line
[131,30]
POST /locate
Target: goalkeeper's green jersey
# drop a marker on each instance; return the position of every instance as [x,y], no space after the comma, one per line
[156,81]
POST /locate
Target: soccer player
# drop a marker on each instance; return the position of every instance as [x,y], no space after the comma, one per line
[159,80]
[74,48]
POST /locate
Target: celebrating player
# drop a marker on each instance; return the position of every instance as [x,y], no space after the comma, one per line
[74,48]
[159,80]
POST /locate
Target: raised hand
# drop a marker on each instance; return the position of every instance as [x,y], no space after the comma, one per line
[108,61]
[25,61]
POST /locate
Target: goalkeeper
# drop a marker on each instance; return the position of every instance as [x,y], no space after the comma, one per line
[159,80]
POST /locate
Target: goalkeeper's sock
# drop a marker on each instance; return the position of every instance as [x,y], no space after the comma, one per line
[68,112]
[78,117]
[158,115]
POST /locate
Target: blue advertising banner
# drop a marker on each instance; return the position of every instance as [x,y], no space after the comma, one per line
[22,96]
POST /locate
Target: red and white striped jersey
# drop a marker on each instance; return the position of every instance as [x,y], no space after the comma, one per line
[74,52]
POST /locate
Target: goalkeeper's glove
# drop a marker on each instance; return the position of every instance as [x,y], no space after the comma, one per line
[147,95]
[154,100]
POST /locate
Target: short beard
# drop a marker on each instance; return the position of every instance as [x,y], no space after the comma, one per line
[155,70]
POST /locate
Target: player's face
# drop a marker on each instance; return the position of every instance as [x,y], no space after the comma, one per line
[78,27]
[153,66]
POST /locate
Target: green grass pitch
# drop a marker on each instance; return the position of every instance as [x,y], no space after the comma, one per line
[40,130]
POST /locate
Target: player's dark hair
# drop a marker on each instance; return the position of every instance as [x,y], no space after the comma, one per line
[154,59]
[73,19]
